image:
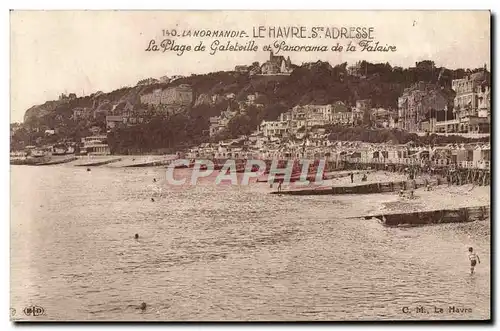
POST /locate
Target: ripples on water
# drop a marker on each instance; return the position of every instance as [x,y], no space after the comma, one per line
[226,253]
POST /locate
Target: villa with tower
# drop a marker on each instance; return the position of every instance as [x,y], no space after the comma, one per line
[277,65]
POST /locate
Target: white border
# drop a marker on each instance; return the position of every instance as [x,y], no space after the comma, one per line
[198,4]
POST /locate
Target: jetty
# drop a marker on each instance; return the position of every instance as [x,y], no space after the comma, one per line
[456,215]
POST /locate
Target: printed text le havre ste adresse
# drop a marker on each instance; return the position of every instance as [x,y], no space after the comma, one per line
[269,38]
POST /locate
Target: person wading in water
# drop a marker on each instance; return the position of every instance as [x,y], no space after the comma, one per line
[473,258]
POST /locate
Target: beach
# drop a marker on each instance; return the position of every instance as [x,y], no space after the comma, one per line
[200,258]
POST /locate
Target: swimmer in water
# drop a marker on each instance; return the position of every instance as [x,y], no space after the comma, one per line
[143,306]
[474,259]
[152,200]
[154,180]
[88,169]
[136,236]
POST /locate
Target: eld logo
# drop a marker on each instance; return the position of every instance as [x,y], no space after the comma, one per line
[33,311]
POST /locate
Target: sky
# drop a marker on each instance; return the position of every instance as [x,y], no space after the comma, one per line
[54,52]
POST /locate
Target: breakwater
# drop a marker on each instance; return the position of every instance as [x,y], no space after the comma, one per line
[369,188]
[96,162]
[457,215]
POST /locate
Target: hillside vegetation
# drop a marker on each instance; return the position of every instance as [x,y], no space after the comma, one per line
[311,83]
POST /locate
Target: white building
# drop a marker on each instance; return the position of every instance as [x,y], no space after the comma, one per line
[96,145]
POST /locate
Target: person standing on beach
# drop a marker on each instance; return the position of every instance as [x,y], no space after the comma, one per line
[473,258]
[352,177]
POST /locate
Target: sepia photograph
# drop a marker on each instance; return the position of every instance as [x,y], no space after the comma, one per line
[250,166]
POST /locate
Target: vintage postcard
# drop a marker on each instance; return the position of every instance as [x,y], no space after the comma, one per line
[250,165]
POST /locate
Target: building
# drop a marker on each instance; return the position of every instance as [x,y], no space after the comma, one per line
[255,70]
[364,104]
[124,107]
[427,65]
[252,100]
[96,145]
[115,121]
[418,103]
[276,65]
[484,100]
[383,118]
[84,113]
[147,81]
[303,118]
[341,114]
[355,69]
[181,95]
[103,110]
[274,128]
[175,77]
[471,106]
[219,123]
[242,69]
[215,125]
[164,79]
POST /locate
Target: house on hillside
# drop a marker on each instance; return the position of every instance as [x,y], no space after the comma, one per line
[80,113]
[242,69]
[147,81]
[122,107]
[103,110]
[164,79]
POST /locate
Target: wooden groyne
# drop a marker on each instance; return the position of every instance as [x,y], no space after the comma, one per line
[458,215]
[28,161]
[312,177]
[42,161]
[360,189]
[97,162]
[154,163]
[57,161]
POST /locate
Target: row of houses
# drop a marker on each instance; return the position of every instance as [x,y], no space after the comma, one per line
[317,146]
[302,118]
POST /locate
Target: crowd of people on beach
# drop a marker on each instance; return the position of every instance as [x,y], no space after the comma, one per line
[446,174]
